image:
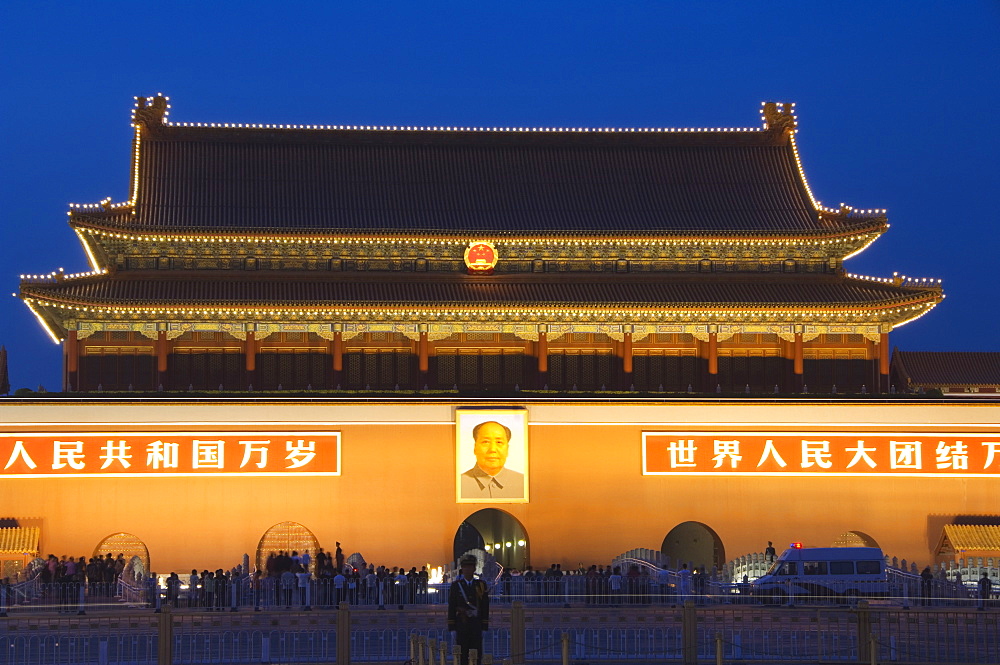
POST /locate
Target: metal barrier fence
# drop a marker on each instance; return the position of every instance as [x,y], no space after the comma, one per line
[571,591]
[519,635]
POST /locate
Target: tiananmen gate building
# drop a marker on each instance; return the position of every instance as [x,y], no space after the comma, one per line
[308,257]
[579,290]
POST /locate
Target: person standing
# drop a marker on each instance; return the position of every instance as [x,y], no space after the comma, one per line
[684,583]
[468,609]
[926,583]
[985,589]
[339,554]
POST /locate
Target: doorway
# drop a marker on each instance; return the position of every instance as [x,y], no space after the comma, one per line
[496,531]
[695,544]
[288,537]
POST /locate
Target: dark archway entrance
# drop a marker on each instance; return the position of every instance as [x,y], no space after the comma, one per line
[695,544]
[496,531]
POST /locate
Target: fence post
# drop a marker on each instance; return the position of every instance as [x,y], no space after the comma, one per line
[82,598]
[718,648]
[165,637]
[517,640]
[865,637]
[565,648]
[3,600]
[689,633]
[417,650]
[344,634]
[443,652]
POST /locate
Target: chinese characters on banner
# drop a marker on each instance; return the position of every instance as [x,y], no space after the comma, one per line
[74,454]
[819,453]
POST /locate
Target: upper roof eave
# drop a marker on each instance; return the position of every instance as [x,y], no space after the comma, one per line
[893,294]
[568,212]
[120,221]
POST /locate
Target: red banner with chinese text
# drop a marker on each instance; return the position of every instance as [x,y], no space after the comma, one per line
[821,453]
[130,454]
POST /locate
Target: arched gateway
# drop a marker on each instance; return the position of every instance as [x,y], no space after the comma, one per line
[287,536]
[695,544]
[497,531]
[125,543]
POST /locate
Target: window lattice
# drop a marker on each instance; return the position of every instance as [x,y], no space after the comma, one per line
[353,370]
[447,370]
[513,369]
[492,373]
[556,370]
[468,369]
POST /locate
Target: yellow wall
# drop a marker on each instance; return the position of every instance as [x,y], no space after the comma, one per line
[395,500]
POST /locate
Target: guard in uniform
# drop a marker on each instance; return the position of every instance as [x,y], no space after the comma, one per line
[469,609]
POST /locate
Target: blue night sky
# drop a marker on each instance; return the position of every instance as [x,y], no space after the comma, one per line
[896,104]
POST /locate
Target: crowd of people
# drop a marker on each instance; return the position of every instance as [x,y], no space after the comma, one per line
[293,579]
[96,570]
[290,575]
[324,579]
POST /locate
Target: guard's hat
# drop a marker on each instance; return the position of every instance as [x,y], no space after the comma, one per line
[468,560]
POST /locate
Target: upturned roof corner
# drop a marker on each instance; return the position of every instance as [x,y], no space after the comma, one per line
[150,112]
[779,117]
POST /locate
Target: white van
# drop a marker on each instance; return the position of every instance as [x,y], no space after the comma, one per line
[825,572]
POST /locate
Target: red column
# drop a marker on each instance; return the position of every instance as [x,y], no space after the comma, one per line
[338,351]
[543,353]
[422,350]
[251,351]
[72,347]
[797,366]
[883,362]
[627,354]
[713,353]
[161,351]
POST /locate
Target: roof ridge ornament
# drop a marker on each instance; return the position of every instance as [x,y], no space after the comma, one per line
[150,111]
[779,116]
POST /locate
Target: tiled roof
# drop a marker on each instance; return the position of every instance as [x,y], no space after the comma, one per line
[504,182]
[312,289]
[19,540]
[969,538]
[949,368]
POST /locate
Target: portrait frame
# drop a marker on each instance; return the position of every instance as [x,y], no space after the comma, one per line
[467,419]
